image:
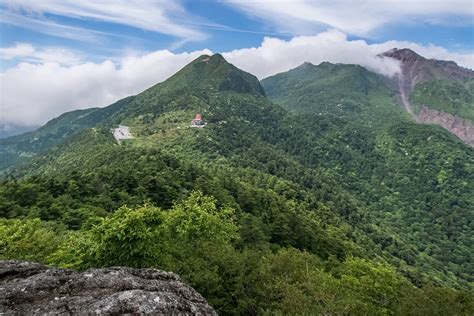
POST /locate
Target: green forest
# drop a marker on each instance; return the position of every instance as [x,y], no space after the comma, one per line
[317,198]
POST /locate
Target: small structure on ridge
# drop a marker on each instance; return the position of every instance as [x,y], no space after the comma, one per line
[198,121]
[122,132]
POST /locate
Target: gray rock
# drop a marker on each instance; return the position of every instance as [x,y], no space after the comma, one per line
[460,127]
[31,288]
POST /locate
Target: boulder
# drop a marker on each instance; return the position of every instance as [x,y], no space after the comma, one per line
[32,288]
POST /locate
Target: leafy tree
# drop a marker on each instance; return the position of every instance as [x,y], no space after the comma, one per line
[28,239]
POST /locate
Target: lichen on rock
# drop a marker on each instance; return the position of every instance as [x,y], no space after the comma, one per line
[31,288]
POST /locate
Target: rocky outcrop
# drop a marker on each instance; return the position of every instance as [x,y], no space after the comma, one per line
[460,127]
[31,288]
[414,70]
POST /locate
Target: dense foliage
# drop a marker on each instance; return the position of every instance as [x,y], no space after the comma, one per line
[415,180]
[200,241]
[454,97]
[20,148]
[334,203]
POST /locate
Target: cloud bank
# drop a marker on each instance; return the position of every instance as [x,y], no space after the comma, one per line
[31,93]
[28,52]
[275,55]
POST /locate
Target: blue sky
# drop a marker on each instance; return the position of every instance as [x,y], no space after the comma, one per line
[115,48]
[222,25]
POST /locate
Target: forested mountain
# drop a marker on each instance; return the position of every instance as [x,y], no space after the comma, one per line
[411,177]
[312,192]
[436,92]
[18,149]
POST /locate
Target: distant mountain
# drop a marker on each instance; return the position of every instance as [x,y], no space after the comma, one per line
[416,69]
[17,149]
[344,91]
[436,92]
[204,75]
[372,143]
[7,130]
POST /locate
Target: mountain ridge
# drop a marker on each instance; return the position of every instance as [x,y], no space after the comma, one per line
[214,72]
[320,185]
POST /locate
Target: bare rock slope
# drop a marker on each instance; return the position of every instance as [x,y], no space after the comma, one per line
[463,129]
[415,70]
[31,288]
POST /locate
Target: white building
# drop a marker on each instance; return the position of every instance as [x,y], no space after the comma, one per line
[122,132]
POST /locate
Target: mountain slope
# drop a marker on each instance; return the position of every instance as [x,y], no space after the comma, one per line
[334,179]
[205,74]
[416,69]
[436,92]
[344,91]
[21,148]
[399,168]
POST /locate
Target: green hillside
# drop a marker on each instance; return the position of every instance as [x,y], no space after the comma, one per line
[344,91]
[331,203]
[18,149]
[401,170]
[454,97]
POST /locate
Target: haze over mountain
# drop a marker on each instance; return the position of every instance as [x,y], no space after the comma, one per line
[11,130]
[314,185]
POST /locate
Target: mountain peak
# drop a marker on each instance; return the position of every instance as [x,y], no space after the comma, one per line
[304,67]
[403,54]
[306,64]
[208,58]
[214,72]
[427,69]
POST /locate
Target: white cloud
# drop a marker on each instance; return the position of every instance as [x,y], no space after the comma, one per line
[31,94]
[162,16]
[275,55]
[361,17]
[28,52]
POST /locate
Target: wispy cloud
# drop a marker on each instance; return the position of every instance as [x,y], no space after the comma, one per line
[152,15]
[359,17]
[42,25]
